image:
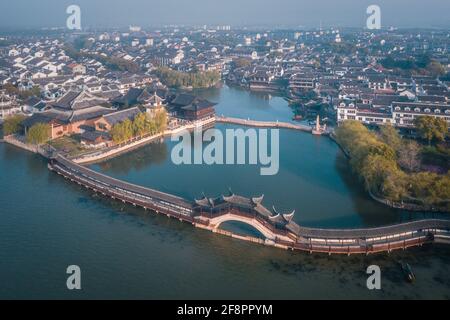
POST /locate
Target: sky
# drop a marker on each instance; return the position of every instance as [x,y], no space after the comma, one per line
[146,13]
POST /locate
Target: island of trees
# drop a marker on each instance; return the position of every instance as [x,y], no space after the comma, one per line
[195,79]
[392,167]
[422,65]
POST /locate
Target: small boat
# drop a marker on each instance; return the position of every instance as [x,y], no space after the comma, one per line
[407,271]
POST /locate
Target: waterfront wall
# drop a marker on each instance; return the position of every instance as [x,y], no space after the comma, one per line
[13,140]
[116,150]
[137,143]
[44,150]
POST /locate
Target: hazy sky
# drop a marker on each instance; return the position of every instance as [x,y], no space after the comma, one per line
[110,13]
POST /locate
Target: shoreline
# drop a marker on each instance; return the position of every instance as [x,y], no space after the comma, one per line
[127,147]
[135,144]
[264,124]
[300,243]
[100,156]
[289,237]
[394,205]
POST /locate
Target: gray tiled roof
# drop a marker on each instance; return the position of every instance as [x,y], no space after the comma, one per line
[120,116]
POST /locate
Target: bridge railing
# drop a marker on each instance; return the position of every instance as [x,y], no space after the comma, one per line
[134,200]
[383,238]
[246,213]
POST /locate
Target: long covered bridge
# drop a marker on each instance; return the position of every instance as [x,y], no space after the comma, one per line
[278,229]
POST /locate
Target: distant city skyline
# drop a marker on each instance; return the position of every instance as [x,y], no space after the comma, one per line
[293,13]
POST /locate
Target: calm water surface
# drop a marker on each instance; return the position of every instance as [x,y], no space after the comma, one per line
[48,224]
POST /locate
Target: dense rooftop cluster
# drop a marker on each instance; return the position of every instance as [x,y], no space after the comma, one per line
[383,76]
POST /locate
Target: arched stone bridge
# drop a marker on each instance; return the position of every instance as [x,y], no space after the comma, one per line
[257,224]
[279,229]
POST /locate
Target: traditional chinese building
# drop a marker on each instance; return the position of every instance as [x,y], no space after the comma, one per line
[106,122]
[192,108]
[70,114]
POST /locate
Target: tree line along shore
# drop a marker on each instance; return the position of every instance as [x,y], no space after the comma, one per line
[121,132]
[395,169]
[400,170]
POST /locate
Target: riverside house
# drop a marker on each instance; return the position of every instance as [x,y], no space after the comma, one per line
[98,136]
[192,108]
[71,114]
[106,122]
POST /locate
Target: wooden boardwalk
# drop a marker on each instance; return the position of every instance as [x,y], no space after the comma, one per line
[288,235]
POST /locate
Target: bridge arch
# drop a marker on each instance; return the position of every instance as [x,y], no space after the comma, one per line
[229,217]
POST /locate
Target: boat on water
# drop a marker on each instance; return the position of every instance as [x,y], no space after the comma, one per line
[407,271]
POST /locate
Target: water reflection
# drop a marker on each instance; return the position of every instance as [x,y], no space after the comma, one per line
[153,154]
[46,218]
[238,102]
[314,179]
[372,212]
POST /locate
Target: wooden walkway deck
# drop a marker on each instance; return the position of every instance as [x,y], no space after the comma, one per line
[263,124]
[289,236]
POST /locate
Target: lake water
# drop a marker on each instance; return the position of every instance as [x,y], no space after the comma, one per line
[48,224]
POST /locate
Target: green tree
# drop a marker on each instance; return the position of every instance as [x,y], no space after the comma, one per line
[375,170]
[128,129]
[161,121]
[409,156]
[375,161]
[241,63]
[122,132]
[430,188]
[382,149]
[38,133]
[139,127]
[390,136]
[198,79]
[12,124]
[435,68]
[431,128]
[394,186]
[11,89]
[150,126]
[117,134]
